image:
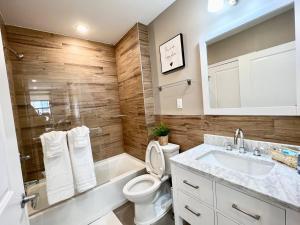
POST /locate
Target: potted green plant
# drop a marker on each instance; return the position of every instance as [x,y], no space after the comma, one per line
[161,131]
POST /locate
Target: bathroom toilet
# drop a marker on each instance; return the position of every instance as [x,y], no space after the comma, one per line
[150,193]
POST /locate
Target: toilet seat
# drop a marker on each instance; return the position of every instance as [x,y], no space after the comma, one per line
[155,161]
[146,185]
[141,186]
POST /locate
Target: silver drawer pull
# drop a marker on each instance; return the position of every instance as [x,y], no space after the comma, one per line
[193,186]
[257,217]
[192,211]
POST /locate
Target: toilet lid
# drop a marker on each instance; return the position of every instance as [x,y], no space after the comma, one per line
[155,161]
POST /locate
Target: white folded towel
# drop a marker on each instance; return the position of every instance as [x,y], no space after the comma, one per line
[54,147]
[82,158]
[59,177]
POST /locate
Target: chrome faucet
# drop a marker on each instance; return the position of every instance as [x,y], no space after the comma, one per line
[241,144]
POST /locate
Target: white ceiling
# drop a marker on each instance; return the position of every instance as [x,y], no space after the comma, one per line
[107,20]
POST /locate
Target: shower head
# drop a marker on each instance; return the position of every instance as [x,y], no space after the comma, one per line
[19,56]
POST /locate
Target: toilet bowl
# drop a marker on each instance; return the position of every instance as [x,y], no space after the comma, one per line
[150,193]
[142,188]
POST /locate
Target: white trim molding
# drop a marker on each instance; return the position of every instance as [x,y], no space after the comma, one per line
[297,31]
[267,10]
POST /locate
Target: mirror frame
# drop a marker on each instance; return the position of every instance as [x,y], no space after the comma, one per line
[217,33]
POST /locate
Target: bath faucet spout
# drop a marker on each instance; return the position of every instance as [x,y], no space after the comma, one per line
[240,145]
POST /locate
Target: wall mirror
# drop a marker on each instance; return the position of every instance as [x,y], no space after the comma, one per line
[249,66]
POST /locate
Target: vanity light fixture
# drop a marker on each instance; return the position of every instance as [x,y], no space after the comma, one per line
[34,81]
[82,29]
[215,5]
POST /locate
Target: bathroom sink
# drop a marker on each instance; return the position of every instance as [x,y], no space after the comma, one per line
[238,163]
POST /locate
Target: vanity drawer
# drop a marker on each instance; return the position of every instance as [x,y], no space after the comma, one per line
[193,212]
[222,220]
[247,210]
[196,185]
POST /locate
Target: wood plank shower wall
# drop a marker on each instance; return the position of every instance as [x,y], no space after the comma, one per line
[135,87]
[79,80]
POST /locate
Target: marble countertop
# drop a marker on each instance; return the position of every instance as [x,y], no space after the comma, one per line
[281,185]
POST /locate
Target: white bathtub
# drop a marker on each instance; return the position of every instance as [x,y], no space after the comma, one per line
[112,174]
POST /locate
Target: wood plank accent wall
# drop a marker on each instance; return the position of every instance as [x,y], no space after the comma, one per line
[135,88]
[147,76]
[78,78]
[188,131]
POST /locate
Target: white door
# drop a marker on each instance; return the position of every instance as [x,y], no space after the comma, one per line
[224,84]
[268,77]
[11,182]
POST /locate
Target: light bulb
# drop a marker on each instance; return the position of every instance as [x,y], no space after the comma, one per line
[82,29]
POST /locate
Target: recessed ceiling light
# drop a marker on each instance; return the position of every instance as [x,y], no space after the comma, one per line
[82,28]
[34,81]
[215,5]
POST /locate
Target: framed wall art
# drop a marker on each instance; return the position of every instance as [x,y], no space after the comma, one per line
[172,54]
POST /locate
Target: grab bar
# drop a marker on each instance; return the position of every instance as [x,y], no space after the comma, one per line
[188,81]
[99,129]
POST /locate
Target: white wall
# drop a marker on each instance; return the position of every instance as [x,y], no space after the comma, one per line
[191,18]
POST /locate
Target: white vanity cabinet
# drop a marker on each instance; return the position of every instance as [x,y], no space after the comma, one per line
[201,200]
[246,209]
[222,220]
[193,211]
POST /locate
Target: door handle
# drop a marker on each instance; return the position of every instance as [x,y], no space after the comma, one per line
[32,198]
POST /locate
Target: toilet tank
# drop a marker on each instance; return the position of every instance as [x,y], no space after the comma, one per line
[169,150]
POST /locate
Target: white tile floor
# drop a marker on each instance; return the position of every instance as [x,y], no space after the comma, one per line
[109,219]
